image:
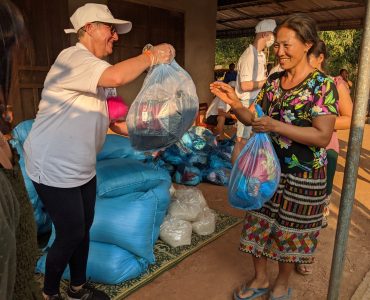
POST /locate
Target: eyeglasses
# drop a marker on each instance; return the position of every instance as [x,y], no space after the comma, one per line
[111,27]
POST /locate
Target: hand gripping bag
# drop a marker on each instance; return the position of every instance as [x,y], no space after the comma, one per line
[256,173]
[164,109]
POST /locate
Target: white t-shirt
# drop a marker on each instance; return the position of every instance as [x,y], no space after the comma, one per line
[251,67]
[217,104]
[72,121]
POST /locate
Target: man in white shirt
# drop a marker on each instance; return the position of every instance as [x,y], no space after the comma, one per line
[69,131]
[251,76]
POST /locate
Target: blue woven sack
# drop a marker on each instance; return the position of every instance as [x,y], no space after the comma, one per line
[108,264]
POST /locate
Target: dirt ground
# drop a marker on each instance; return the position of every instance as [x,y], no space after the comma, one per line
[216,269]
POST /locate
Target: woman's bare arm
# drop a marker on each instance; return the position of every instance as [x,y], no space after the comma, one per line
[227,94]
[343,121]
[318,135]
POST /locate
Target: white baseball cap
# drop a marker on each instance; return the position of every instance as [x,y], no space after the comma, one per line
[92,12]
[266,25]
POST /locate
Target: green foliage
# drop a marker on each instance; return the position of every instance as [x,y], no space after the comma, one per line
[343,47]
[229,50]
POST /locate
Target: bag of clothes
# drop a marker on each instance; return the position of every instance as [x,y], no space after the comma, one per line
[256,173]
[164,109]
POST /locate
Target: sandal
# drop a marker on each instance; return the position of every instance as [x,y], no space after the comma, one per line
[304,269]
[284,297]
[256,293]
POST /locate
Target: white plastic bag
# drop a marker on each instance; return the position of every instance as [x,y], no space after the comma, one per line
[187,204]
[164,109]
[175,232]
[206,223]
[191,195]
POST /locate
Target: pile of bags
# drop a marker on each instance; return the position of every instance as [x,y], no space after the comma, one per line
[132,200]
[198,157]
[188,212]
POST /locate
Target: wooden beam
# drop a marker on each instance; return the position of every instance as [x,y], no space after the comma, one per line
[228,4]
[323,26]
[285,13]
[352,1]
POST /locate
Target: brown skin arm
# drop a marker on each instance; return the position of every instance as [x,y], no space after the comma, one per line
[5,147]
[225,114]
[343,121]
[318,135]
[227,94]
[119,127]
[5,153]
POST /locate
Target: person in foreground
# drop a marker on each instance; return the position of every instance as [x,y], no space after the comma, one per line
[300,106]
[69,131]
[317,60]
[18,236]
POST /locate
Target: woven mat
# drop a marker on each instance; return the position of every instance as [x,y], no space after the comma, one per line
[166,258]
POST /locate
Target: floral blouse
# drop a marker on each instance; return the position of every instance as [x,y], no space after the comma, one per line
[314,96]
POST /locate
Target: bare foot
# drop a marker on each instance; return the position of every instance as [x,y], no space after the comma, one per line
[280,291]
[304,269]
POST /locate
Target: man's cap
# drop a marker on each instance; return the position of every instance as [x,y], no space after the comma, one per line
[266,25]
[92,12]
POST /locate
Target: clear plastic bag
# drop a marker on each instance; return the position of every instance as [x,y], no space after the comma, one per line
[164,109]
[206,222]
[175,232]
[187,204]
[256,173]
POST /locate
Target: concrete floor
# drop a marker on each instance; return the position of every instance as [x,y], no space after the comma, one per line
[215,270]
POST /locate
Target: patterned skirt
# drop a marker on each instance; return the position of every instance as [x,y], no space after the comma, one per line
[287,227]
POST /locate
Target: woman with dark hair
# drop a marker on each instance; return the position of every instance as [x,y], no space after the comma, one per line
[18,240]
[343,73]
[317,60]
[300,105]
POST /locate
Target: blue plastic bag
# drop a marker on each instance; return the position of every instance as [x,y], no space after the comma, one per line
[256,173]
[164,109]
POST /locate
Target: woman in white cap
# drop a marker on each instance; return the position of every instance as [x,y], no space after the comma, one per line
[300,105]
[69,131]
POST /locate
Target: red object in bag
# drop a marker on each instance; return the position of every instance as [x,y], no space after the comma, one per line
[117,108]
[148,113]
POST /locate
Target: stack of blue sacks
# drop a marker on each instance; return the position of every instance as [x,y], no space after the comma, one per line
[132,200]
[198,157]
